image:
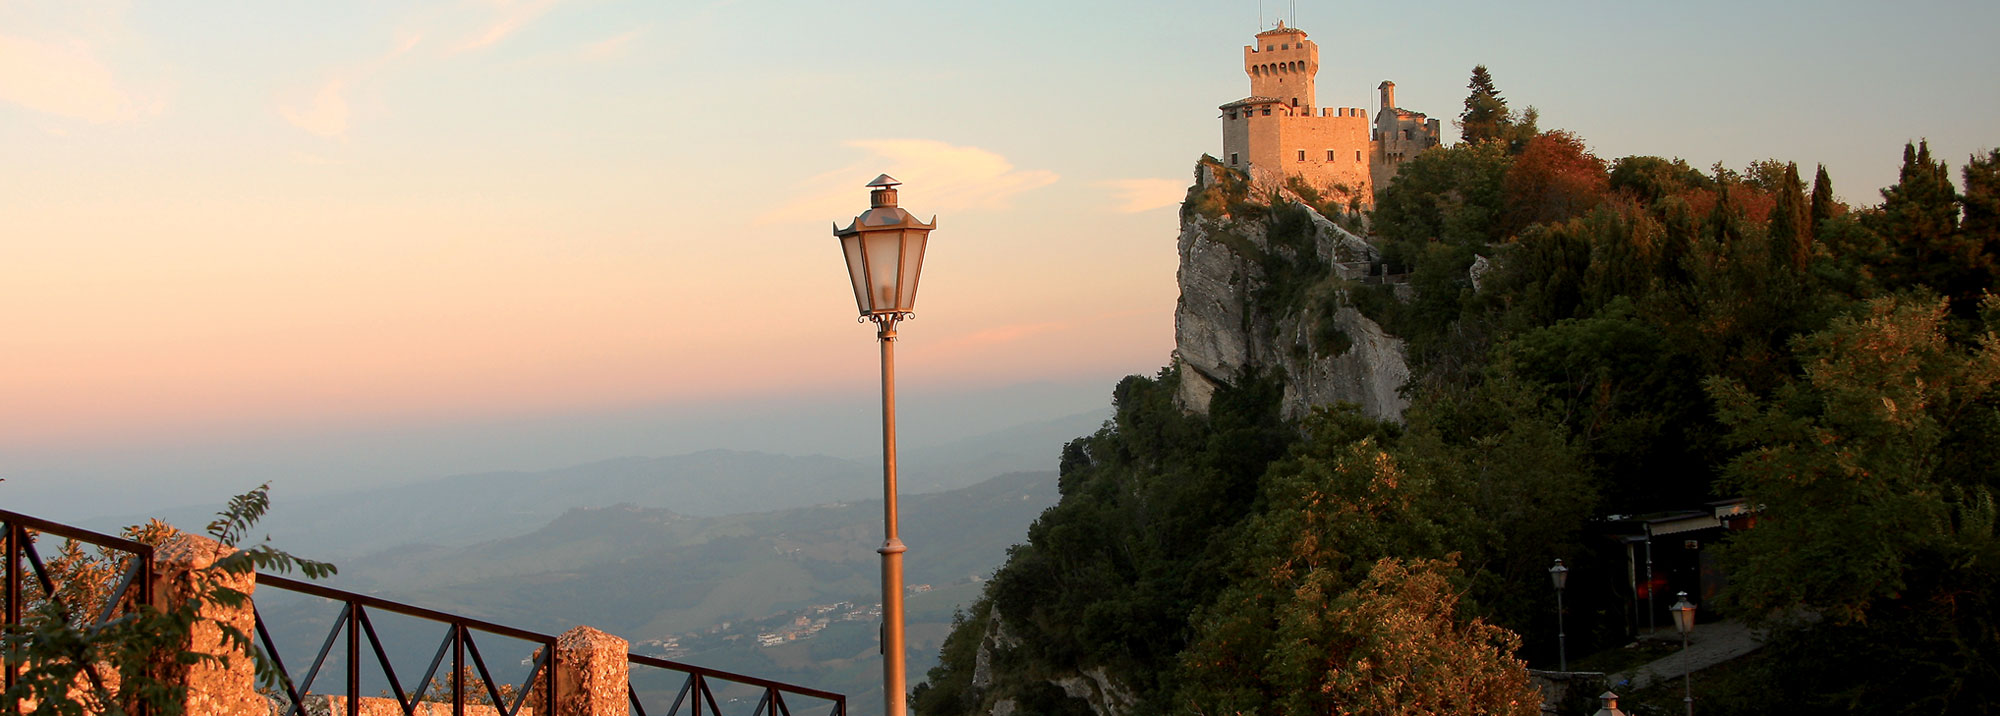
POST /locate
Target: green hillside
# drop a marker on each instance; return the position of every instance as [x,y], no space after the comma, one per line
[1645,336]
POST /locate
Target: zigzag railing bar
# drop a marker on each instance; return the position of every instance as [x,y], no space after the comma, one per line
[118,595]
[42,575]
[444,647]
[486,678]
[271,650]
[49,592]
[710,695]
[382,657]
[632,694]
[696,686]
[305,687]
[763,704]
[687,687]
[528,684]
[19,546]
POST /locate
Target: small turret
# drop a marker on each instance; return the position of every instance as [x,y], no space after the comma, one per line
[1388,94]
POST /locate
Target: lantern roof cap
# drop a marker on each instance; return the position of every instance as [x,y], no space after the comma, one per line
[884,181]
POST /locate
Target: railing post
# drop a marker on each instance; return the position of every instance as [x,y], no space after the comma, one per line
[13,616]
[592,674]
[213,689]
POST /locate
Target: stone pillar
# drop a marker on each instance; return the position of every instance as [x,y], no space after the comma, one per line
[182,572]
[592,674]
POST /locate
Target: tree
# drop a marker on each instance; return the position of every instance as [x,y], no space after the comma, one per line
[1485,112]
[1865,518]
[1395,644]
[1919,219]
[1450,194]
[1791,222]
[1980,231]
[1823,205]
[54,652]
[1651,179]
[1844,461]
[1554,179]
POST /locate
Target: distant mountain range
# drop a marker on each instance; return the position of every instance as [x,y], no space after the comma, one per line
[661,548]
[464,510]
[716,582]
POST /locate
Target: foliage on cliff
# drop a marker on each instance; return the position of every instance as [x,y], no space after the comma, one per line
[1650,336]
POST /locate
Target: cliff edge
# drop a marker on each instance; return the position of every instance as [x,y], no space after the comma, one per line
[1264,292]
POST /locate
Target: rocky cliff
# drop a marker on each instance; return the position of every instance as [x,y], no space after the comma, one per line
[1264,291]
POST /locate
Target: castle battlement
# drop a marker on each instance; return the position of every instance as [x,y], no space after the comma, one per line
[1276,133]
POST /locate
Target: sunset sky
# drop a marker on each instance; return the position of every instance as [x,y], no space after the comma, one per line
[431,237]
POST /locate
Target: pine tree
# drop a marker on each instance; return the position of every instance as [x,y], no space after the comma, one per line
[1486,114]
[1981,227]
[1919,218]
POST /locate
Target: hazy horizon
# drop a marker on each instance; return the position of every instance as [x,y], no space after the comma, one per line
[330,246]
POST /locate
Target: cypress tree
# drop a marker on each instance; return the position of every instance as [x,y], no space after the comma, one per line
[1791,228]
[1822,201]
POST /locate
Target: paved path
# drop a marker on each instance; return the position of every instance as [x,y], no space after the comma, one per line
[1710,644]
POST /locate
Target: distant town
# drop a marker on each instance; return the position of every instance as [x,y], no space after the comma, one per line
[775,630]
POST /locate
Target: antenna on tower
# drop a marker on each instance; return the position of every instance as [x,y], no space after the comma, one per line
[1260,15]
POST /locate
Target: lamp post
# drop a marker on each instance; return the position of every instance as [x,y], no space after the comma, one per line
[1560,575]
[884,247]
[1684,621]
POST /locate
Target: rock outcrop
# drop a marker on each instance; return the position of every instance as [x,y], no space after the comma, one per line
[1319,346]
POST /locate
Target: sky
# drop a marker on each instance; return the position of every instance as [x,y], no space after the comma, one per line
[346,244]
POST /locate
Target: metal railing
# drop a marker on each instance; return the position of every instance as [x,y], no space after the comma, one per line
[134,587]
[458,643]
[698,695]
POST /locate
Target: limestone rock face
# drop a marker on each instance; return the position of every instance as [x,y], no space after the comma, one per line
[1324,351]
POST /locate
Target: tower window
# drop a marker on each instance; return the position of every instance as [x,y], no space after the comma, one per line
[1232,159]
[1357,155]
[1329,155]
[1267,111]
[1302,155]
[1406,134]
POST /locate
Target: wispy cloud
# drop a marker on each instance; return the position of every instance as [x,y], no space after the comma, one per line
[507,17]
[948,176]
[61,65]
[610,47]
[1136,195]
[325,110]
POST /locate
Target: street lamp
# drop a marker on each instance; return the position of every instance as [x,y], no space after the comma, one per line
[1684,621]
[1560,575]
[884,247]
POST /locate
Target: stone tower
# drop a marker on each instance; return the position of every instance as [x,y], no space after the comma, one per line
[1282,65]
[1278,133]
